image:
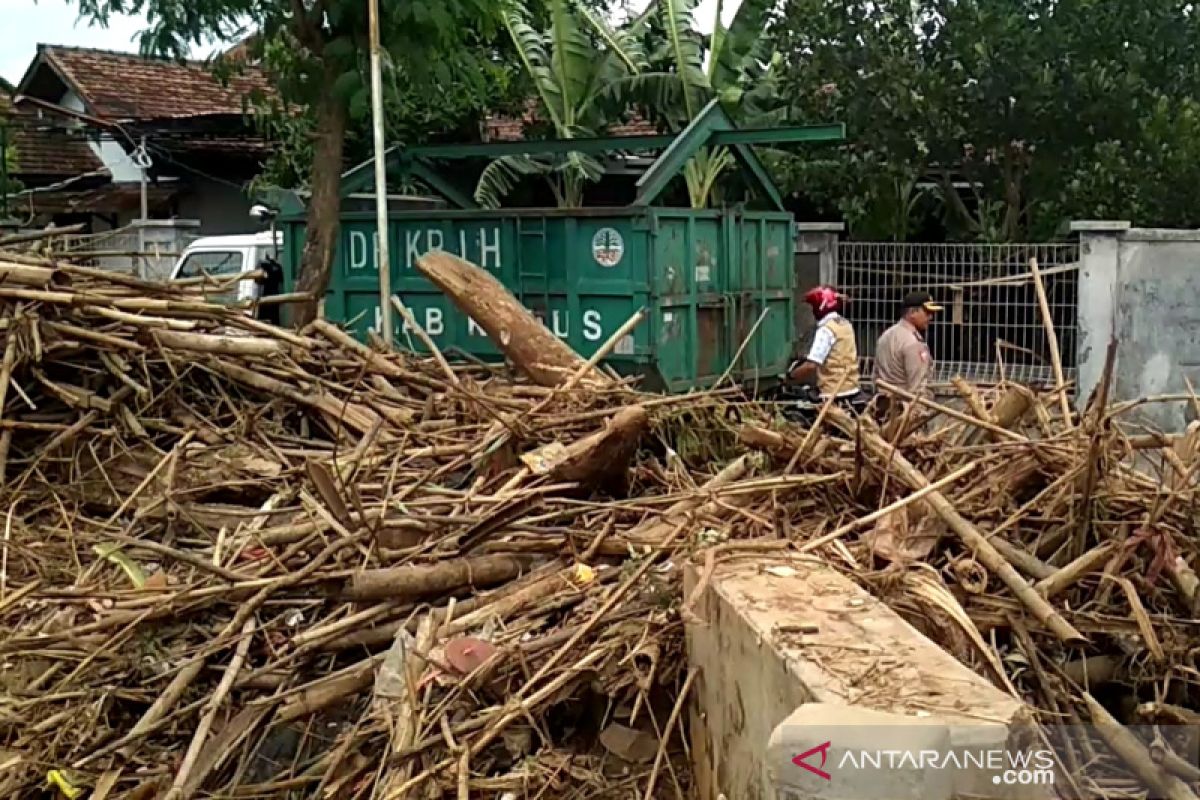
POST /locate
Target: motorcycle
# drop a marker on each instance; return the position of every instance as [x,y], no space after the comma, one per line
[802,404]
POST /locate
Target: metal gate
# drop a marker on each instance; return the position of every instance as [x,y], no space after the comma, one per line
[992,327]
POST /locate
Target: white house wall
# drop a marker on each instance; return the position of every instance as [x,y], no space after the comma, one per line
[110,153]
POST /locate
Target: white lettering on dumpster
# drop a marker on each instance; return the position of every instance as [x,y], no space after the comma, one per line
[360,256]
[591,325]
[434,323]
[489,251]
[484,250]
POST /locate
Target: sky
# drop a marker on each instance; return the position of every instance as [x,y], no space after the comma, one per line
[28,23]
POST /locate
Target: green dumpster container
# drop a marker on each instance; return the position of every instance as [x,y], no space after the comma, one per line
[717,285]
[704,277]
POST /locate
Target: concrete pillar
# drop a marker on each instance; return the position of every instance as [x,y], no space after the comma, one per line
[819,239]
[161,241]
[1100,257]
[816,254]
[817,754]
[779,633]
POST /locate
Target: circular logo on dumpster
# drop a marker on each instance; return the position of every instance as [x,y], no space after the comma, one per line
[608,247]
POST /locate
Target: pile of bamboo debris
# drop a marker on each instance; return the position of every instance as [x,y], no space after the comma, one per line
[248,562]
[244,561]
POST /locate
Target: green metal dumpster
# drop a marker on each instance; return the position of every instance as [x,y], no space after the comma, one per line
[717,285]
[705,277]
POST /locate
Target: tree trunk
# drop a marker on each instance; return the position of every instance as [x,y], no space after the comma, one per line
[324,205]
[525,341]
[602,459]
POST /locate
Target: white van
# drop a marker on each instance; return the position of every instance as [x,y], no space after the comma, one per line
[228,255]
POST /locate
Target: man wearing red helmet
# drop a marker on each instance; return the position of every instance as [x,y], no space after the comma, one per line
[833,357]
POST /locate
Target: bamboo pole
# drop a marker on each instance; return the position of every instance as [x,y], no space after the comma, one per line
[976,541]
[1052,342]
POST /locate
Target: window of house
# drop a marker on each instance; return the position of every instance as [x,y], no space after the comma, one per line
[211,263]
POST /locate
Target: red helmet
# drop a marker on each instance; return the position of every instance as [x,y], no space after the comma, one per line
[823,300]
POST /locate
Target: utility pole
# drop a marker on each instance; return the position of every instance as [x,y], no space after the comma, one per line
[3,171]
[142,160]
[383,260]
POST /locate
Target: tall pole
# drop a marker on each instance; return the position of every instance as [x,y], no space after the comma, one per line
[383,260]
[142,164]
[3,171]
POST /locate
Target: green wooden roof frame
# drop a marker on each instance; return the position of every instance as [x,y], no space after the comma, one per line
[711,128]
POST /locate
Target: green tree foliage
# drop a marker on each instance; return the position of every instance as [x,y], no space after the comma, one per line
[1039,110]
[736,65]
[571,65]
[8,184]
[327,40]
[488,81]
[657,62]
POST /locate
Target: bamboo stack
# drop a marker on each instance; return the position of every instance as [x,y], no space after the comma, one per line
[241,561]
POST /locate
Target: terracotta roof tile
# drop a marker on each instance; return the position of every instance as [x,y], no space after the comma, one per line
[43,150]
[107,199]
[499,128]
[129,86]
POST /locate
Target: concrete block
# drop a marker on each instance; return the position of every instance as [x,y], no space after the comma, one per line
[777,632]
[832,740]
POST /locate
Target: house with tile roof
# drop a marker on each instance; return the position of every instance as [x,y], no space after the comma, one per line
[97,123]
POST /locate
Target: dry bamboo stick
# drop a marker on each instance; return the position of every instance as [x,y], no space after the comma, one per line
[219,344]
[410,321]
[950,412]
[177,791]
[13,274]
[411,582]
[903,502]
[163,704]
[1133,753]
[1052,343]
[983,549]
[1069,575]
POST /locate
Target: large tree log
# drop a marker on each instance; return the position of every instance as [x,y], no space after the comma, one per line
[526,342]
[600,460]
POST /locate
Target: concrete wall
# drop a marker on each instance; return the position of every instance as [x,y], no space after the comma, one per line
[815,263]
[1141,286]
[221,208]
[110,153]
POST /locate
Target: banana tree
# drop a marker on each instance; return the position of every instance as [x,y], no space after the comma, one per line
[740,72]
[571,65]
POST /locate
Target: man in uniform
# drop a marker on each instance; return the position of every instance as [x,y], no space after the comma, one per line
[901,356]
[833,358]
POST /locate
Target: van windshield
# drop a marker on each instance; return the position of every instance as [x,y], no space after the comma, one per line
[211,263]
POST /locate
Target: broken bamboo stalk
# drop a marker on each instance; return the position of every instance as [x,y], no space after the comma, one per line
[950,412]
[220,344]
[410,322]
[177,791]
[13,274]
[1060,381]
[1070,574]
[1133,753]
[983,549]
[903,502]
[423,580]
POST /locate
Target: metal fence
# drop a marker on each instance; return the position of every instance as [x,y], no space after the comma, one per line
[134,249]
[992,326]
